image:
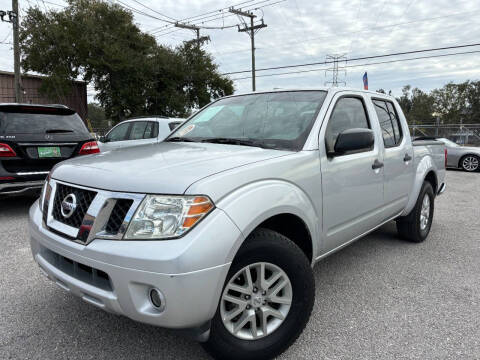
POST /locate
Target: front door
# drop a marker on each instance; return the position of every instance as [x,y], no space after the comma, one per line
[352,188]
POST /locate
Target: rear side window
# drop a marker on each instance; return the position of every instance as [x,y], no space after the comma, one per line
[143,130]
[349,113]
[31,123]
[389,123]
[138,129]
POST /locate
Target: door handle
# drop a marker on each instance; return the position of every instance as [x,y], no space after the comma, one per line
[407,158]
[377,164]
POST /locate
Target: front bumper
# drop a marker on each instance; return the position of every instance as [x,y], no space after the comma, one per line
[117,276]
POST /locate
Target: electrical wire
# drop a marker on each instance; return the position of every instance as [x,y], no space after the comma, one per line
[357,58]
[366,64]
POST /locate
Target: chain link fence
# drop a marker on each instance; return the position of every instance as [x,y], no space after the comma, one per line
[463,134]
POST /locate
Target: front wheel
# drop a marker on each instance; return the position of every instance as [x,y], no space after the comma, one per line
[266,301]
[416,226]
[470,163]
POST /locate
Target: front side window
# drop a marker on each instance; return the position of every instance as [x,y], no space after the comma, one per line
[279,120]
[119,133]
[349,113]
[389,123]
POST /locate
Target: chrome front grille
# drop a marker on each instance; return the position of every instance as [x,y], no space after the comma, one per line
[98,213]
[84,199]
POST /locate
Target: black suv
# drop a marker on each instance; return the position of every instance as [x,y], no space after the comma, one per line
[33,138]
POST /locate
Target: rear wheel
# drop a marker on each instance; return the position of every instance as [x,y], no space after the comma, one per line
[266,302]
[470,163]
[416,225]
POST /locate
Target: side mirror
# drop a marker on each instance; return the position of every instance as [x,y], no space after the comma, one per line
[353,140]
[102,139]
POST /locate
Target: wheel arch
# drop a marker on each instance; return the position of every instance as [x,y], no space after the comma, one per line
[275,205]
[426,171]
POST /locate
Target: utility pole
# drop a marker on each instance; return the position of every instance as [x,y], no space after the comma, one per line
[13,19]
[200,39]
[251,31]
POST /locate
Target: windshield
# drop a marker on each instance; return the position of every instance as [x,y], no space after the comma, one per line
[28,123]
[279,120]
[449,142]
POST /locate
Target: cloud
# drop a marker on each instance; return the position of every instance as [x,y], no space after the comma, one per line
[302,31]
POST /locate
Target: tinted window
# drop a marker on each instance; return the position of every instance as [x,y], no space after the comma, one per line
[30,123]
[119,133]
[389,122]
[138,130]
[349,113]
[150,130]
[276,120]
[397,128]
[385,123]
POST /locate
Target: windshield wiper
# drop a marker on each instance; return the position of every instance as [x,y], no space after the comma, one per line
[181,139]
[54,131]
[233,141]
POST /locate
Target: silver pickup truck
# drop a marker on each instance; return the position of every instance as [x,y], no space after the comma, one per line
[216,230]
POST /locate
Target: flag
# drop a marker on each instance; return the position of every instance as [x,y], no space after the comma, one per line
[365,81]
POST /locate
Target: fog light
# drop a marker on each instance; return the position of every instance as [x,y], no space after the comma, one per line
[157,299]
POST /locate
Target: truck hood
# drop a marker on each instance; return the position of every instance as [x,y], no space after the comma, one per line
[162,168]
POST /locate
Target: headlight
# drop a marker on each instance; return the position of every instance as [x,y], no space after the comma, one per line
[165,217]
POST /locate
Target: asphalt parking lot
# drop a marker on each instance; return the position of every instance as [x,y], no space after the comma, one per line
[380,298]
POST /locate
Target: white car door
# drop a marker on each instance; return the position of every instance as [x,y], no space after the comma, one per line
[116,138]
[143,132]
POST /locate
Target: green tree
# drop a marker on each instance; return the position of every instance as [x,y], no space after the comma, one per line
[98,42]
[96,116]
[417,105]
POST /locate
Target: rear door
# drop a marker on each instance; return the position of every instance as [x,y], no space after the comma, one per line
[398,156]
[352,189]
[143,132]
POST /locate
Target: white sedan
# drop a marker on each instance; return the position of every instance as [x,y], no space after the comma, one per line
[138,131]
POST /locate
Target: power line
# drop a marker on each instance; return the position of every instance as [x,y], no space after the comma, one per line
[135,10]
[155,11]
[365,64]
[365,30]
[357,58]
[218,17]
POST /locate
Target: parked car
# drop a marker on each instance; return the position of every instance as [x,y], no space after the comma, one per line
[33,138]
[138,131]
[462,157]
[217,228]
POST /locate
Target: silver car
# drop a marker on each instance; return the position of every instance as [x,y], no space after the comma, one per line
[215,230]
[462,157]
[138,131]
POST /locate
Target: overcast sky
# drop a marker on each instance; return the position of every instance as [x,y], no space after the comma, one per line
[305,31]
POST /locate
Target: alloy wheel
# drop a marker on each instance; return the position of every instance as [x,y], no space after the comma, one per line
[425,212]
[470,163]
[256,301]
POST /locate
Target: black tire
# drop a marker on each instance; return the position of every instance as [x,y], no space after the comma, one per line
[462,165]
[265,245]
[408,227]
